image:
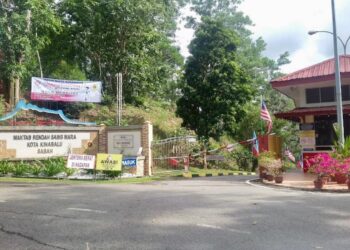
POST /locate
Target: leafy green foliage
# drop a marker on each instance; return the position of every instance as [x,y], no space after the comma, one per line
[48,167]
[244,158]
[129,37]
[111,174]
[65,70]
[36,169]
[215,87]
[6,167]
[341,151]
[25,28]
[53,166]
[20,168]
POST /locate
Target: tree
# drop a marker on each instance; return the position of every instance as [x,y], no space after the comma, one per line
[25,27]
[117,36]
[215,86]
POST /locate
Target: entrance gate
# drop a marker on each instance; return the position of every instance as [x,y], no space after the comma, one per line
[172,153]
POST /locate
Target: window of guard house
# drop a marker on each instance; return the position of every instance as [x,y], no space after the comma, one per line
[312,95]
[345,92]
[328,94]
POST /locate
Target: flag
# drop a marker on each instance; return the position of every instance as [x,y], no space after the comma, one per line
[230,147]
[300,163]
[289,154]
[265,115]
[255,147]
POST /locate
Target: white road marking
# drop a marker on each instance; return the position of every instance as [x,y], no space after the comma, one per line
[256,185]
[87,210]
[209,226]
[221,228]
[1,201]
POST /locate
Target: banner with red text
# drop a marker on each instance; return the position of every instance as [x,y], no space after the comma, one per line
[65,91]
[81,161]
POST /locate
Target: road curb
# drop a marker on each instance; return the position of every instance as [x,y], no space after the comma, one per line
[259,182]
[194,175]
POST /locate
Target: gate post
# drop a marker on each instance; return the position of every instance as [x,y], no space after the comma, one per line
[146,141]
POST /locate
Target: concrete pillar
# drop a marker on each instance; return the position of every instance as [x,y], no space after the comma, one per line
[146,142]
[102,139]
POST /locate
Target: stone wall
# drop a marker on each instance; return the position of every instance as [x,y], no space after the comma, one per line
[146,134]
[41,142]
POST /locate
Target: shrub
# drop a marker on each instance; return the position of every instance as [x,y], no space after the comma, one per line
[53,166]
[6,167]
[36,168]
[112,174]
[325,164]
[266,158]
[243,158]
[20,168]
[69,171]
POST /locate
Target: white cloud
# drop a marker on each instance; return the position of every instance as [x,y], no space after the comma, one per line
[284,26]
[184,35]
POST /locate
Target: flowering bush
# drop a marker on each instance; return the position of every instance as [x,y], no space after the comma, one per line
[325,164]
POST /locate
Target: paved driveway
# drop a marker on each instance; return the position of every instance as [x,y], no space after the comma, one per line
[206,213]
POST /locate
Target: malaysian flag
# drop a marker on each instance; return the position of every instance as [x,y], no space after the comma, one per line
[289,154]
[265,115]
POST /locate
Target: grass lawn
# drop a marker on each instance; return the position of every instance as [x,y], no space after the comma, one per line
[77,182]
[197,171]
[159,174]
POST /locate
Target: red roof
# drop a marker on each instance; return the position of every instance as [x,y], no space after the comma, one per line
[323,71]
[294,114]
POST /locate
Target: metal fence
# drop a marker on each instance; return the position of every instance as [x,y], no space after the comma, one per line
[172,153]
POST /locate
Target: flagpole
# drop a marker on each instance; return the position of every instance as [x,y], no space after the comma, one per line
[261,122]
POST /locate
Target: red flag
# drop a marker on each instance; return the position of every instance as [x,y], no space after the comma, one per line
[265,115]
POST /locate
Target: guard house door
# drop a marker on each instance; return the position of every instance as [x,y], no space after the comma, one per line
[324,132]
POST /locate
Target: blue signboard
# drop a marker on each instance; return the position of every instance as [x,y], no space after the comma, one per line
[129,162]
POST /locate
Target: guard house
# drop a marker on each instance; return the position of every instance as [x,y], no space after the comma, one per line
[313,92]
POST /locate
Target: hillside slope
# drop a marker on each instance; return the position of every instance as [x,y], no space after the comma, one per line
[162,116]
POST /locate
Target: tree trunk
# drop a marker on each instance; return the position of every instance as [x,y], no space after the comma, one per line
[12,93]
[16,90]
[205,163]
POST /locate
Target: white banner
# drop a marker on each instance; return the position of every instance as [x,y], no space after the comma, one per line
[81,161]
[65,91]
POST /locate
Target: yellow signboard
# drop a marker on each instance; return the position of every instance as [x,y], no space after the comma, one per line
[109,162]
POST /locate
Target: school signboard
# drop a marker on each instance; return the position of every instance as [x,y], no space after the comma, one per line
[36,144]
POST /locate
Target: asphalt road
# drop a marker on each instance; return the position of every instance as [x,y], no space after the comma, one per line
[207,213]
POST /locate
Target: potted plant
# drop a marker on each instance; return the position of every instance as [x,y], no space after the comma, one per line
[322,165]
[278,177]
[318,182]
[341,169]
[275,171]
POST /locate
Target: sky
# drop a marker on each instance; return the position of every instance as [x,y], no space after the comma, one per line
[284,26]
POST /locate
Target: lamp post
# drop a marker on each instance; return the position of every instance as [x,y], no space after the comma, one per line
[345,44]
[340,119]
[338,80]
